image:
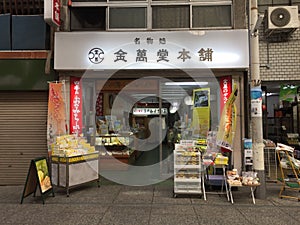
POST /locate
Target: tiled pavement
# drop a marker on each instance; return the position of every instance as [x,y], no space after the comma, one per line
[154,205]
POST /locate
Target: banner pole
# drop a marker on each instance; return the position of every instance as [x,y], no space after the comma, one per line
[65,97]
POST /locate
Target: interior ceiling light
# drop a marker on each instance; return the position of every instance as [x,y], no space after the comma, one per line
[289,86]
[188,100]
[202,83]
[173,109]
[270,94]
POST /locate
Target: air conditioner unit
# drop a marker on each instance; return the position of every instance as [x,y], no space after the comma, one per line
[283,17]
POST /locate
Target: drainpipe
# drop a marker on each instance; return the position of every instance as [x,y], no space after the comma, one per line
[256,102]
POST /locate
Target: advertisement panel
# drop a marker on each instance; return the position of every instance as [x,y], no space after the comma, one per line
[201,111]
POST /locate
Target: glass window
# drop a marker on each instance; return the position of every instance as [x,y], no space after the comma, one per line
[170,0]
[212,16]
[134,17]
[170,17]
[281,2]
[163,14]
[87,18]
[264,2]
[88,0]
[127,1]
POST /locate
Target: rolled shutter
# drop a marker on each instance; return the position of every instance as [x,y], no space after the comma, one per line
[23,133]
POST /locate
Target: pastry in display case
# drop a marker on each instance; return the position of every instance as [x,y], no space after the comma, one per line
[71,145]
[188,171]
[73,162]
[114,147]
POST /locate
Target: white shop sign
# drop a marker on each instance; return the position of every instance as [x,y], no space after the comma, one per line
[149,111]
[151,50]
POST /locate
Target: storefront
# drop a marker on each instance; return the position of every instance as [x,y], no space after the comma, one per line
[148,83]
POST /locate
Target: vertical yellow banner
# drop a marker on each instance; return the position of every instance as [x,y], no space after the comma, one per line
[201,111]
[227,123]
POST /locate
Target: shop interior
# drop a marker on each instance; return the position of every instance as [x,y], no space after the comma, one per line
[133,106]
[149,122]
[281,112]
[139,122]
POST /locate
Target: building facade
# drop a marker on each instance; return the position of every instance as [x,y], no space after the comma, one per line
[279,59]
[149,37]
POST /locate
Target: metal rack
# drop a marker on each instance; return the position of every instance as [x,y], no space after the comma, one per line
[213,179]
[270,163]
[188,173]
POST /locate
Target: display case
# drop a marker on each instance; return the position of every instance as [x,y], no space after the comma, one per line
[71,171]
[116,151]
[188,172]
[73,162]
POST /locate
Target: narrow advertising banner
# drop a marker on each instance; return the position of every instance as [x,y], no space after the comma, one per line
[227,124]
[56,124]
[201,111]
[225,90]
[75,106]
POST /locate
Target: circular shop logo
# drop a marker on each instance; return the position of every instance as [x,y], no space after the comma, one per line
[96,55]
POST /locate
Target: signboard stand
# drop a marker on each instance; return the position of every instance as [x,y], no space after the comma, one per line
[38,177]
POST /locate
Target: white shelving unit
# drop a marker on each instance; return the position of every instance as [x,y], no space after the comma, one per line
[188,173]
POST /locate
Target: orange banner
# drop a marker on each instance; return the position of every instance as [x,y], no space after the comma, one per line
[56,125]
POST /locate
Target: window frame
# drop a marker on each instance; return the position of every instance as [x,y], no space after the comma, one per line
[123,6]
[148,5]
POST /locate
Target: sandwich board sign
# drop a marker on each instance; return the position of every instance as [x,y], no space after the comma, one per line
[38,177]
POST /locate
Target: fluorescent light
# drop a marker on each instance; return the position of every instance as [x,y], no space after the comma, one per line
[173,109]
[186,83]
[188,100]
